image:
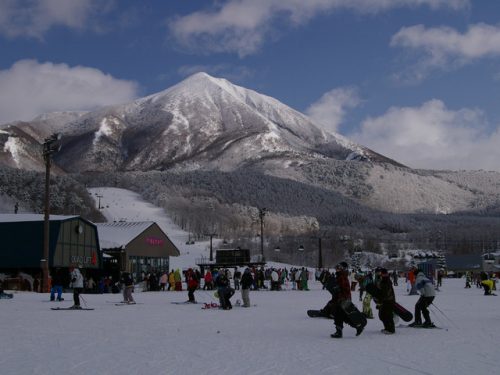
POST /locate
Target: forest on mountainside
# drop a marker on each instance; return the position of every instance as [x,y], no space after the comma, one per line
[228,204]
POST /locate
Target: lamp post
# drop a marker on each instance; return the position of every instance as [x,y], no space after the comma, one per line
[301,251]
[211,235]
[262,213]
[99,201]
[320,254]
[277,250]
[50,147]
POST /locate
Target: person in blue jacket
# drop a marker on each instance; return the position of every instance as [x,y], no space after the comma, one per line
[427,293]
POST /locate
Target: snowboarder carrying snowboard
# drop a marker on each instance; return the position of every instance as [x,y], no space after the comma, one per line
[386,301]
[338,285]
[427,294]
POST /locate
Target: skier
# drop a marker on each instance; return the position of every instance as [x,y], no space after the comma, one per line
[224,291]
[4,295]
[128,287]
[427,294]
[77,285]
[208,281]
[192,284]
[171,280]
[237,279]
[246,283]
[486,283]
[340,289]
[385,303]
[367,300]
[56,287]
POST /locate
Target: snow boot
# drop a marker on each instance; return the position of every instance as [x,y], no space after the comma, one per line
[337,334]
[428,325]
[359,330]
[415,324]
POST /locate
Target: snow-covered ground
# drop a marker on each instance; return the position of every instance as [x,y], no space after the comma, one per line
[273,337]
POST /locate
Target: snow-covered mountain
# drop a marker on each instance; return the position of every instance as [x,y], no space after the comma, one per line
[206,123]
[202,122]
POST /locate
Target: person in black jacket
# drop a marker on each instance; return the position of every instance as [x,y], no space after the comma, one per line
[386,301]
[224,290]
[246,283]
[57,283]
[127,282]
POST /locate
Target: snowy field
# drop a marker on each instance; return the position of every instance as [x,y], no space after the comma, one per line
[273,337]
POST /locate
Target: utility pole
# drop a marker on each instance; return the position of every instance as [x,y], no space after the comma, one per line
[262,213]
[50,147]
[320,254]
[99,201]
[211,235]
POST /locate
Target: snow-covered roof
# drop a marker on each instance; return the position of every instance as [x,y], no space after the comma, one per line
[19,218]
[119,234]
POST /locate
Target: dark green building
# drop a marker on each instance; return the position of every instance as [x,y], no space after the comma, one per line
[72,240]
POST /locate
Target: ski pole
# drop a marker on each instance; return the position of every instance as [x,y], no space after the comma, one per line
[84,302]
[447,318]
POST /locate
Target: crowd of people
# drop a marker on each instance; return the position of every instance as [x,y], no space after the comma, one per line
[373,285]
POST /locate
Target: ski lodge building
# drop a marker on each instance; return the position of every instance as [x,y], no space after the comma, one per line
[103,249]
[135,247]
[72,240]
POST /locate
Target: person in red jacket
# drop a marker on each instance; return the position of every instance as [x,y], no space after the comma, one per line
[208,281]
[192,284]
[341,291]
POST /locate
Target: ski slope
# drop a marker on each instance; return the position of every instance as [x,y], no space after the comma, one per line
[121,204]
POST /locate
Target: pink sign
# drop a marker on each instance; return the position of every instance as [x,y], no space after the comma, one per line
[153,241]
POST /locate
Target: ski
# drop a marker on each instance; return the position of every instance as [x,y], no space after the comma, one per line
[69,308]
[184,303]
[125,304]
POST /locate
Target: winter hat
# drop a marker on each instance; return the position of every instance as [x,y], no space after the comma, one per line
[342,265]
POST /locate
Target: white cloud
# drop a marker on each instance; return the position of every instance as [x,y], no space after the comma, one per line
[330,109]
[33,18]
[30,88]
[434,137]
[444,47]
[242,26]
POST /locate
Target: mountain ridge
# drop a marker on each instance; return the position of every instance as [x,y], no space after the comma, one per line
[206,123]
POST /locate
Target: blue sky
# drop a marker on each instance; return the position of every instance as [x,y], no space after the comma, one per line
[416,80]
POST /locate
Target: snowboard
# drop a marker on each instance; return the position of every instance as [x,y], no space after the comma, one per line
[399,310]
[69,308]
[353,316]
[419,327]
[317,314]
[211,305]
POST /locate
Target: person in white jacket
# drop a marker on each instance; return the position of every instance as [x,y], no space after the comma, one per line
[427,294]
[77,285]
